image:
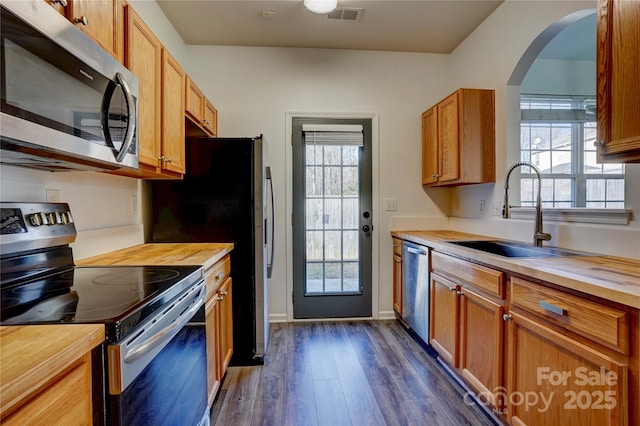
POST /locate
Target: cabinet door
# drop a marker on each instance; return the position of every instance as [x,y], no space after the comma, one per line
[444,304]
[226,325]
[65,402]
[144,59]
[448,135]
[553,377]
[194,103]
[173,134]
[212,314]
[481,343]
[618,68]
[397,284]
[59,7]
[430,162]
[210,118]
[98,19]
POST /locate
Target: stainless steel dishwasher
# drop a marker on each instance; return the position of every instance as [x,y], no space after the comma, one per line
[415,288]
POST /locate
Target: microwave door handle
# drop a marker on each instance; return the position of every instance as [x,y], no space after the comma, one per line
[131,124]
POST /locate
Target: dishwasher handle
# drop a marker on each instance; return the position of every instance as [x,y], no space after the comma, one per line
[421,252]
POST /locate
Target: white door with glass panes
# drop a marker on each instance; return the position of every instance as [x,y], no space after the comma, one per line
[332,218]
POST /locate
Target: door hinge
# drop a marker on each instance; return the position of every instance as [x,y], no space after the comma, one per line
[293,297]
[292,219]
[291,139]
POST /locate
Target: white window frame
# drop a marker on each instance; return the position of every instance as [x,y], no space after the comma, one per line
[577,114]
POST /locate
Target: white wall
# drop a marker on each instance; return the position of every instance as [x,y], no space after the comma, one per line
[560,77]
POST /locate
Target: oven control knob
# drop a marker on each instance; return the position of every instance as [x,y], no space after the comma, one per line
[65,218]
[37,219]
[54,218]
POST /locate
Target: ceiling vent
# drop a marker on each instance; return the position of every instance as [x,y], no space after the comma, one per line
[346,13]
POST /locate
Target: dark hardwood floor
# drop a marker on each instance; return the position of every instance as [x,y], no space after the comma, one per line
[343,373]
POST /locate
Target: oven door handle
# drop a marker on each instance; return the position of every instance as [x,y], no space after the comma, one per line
[148,345]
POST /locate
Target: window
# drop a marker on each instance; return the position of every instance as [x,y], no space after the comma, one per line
[557,135]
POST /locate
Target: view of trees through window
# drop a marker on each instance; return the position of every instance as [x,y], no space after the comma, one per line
[557,135]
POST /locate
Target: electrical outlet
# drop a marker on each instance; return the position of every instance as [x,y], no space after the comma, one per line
[496,208]
[134,204]
[391,204]
[53,195]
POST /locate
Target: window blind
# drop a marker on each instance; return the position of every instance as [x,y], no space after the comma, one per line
[333,134]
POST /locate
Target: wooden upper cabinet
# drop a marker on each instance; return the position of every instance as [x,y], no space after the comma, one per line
[210,118]
[59,6]
[200,112]
[449,139]
[173,107]
[144,59]
[430,163]
[194,101]
[101,20]
[618,81]
[458,139]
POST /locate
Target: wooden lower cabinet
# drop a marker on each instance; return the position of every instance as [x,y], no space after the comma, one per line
[554,379]
[219,324]
[467,332]
[481,357]
[212,314]
[67,401]
[444,317]
[397,276]
[226,325]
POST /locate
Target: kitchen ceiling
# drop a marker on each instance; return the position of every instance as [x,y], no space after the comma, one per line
[430,26]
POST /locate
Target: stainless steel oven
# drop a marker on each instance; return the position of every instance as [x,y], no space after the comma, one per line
[66,103]
[152,368]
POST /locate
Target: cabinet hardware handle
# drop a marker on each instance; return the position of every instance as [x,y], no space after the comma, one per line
[459,293]
[552,308]
[219,276]
[452,289]
[168,160]
[397,261]
[224,292]
[162,158]
[62,3]
[598,144]
[220,298]
[81,20]
[506,317]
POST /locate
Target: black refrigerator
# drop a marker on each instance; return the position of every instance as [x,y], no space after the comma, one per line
[226,195]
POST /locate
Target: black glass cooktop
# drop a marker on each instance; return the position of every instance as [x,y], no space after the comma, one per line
[120,296]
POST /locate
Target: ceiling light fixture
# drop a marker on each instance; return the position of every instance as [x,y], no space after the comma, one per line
[320,6]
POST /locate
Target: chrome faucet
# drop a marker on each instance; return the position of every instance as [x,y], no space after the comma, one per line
[538,235]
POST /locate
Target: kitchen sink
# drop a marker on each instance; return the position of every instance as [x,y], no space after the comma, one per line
[514,249]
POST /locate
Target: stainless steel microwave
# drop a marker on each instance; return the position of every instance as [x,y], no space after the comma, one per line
[66,103]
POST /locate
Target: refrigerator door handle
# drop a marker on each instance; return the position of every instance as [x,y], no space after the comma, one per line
[273,224]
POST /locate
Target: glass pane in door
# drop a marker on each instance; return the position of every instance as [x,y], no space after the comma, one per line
[331,219]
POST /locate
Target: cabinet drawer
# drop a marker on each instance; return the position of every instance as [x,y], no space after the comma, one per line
[218,273]
[593,320]
[397,247]
[478,276]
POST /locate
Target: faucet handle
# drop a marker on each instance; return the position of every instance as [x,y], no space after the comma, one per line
[542,236]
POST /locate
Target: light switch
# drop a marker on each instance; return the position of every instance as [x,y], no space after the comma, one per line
[391,204]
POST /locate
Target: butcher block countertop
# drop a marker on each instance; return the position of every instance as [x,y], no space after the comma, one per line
[202,254]
[612,278]
[31,356]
